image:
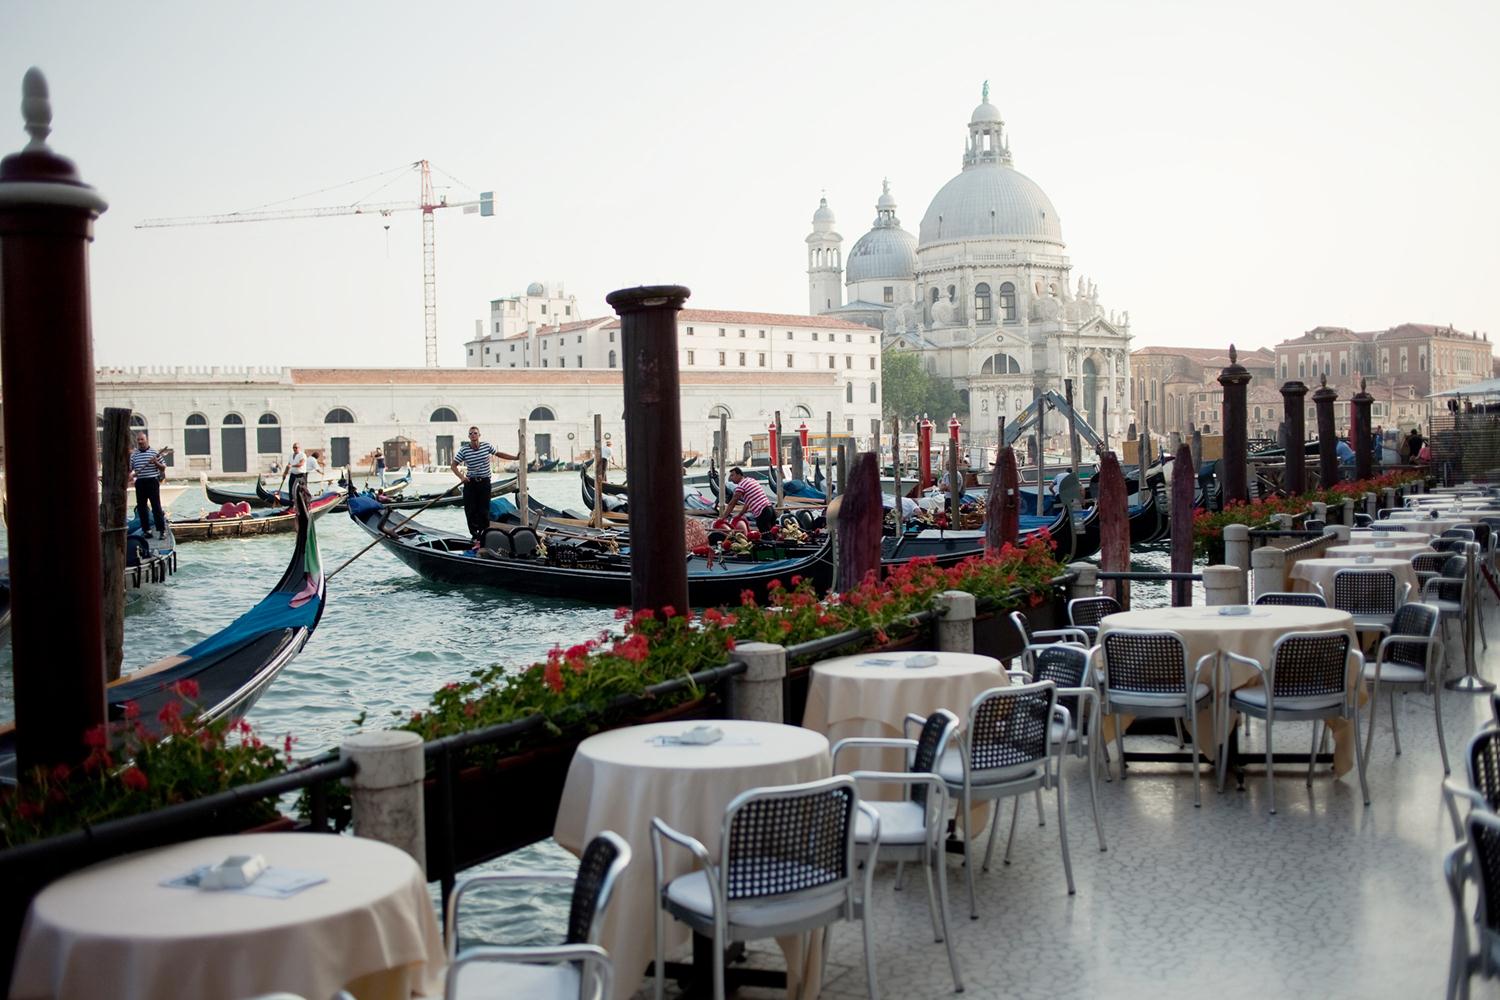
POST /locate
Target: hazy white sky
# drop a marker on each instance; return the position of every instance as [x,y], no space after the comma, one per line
[1225,172]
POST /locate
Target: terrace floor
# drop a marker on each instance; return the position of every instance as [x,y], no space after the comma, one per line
[1327,898]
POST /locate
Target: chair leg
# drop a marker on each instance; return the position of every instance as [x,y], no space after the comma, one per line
[958,983]
[1395,730]
[1197,767]
[864,923]
[969,860]
[1479,617]
[1359,758]
[1437,708]
[1041,814]
[1062,835]
[989,850]
[1374,704]
[900,874]
[1094,797]
[1270,768]
[718,966]
[1312,753]
[937,934]
[1120,746]
[661,951]
[1177,724]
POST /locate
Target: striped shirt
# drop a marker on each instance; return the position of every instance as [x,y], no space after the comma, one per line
[754,495]
[143,464]
[477,460]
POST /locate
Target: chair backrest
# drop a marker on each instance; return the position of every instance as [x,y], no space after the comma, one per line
[1448,544]
[1414,620]
[1467,534]
[1456,566]
[788,839]
[1089,611]
[599,869]
[1023,626]
[1429,562]
[1144,661]
[1310,663]
[1484,765]
[1290,599]
[931,742]
[1010,725]
[1484,848]
[1365,591]
[1067,667]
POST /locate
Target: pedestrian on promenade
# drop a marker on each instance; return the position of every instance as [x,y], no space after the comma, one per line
[472,467]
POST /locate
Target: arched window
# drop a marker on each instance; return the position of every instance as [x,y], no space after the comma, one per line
[874,393]
[1008,302]
[233,420]
[801,412]
[952,292]
[848,392]
[719,410]
[935,293]
[542,413]
[268,434]
[443,415]
[981,303]
[195,439]
[612,359]
[137,422]
[338,415]
[1000,364]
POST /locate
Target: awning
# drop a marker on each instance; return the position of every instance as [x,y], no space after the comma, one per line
[1489,387]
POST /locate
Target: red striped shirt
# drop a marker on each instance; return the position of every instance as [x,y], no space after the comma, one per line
[753,494]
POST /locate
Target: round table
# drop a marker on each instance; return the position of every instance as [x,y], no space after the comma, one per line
[1431,525]
[1307,572]
[370,928]
[1382,549]
[870,694]
[1204,630]
[619,780]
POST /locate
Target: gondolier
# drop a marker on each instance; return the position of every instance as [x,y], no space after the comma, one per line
[149,469]
[472,467]
[750,494]
[380,468]
[296,469]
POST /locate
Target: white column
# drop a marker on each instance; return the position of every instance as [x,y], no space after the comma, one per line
[1269,565]
[757,692]
[1224,585]
[955,629]
[387,789]
[1086,584]
[1237,547]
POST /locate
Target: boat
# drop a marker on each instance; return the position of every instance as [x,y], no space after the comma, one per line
[451,497]
[258,497]
[234,666]
[542,464]
[615,494]
[149,561]
[583,569]
[949,547]
[258,522]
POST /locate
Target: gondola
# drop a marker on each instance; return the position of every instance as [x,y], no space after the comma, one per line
[614,493]
[258,497]
[262,522]
[233,667]
[149,561]
[438,498]
[949,547]
[543,464]
[575,568]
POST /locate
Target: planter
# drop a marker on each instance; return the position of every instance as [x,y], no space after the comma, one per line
[504,806]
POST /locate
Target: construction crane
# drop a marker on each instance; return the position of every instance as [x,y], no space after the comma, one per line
[430,202]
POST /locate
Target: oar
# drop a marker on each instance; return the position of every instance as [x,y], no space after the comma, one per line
[375,541]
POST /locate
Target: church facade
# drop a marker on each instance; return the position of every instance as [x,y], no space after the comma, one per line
[984,292]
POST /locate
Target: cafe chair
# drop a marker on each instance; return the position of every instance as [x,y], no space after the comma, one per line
[1428,565]
[1451,592]
[1482,767]
[1005,751]
[1087,612]
[786,865]
[1308,680]
[1043,636]
[1289,599]
[1404,661]
[1476,860]
[577,968]
[1071,669]
[1371,596]
[1146,674]
[1448,545]
[913,828]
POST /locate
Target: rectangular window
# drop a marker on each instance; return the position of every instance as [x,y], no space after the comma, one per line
[567,310]
[721,331]
[890,294]
[690,331]
[512,349]
[721,359]
[850,424]
[580,361]
[815,335]
[762,360]
[872,364]
[789,335]
[742,333]
[579,340]
[831,361]
[611,336]
[789,361]
[690,357]
[848,338]
[544,362]
[848,361]
[544,308]
[544,345]
[562,362]
[497,327]
[762,335]
[872,340]
[742,359]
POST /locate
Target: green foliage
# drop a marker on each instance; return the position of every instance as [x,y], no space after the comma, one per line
[910,391]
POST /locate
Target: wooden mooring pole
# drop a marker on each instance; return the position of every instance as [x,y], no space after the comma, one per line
[522,500]
[1182,525]
[1114,527]
[1294,477]
[860,514]
[1235,379]
[1328,456]
[114,466]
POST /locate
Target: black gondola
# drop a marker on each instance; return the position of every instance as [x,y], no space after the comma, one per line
[949,547]
[450,497]
[576,568]
[258,496]
[615,494]
[233,667]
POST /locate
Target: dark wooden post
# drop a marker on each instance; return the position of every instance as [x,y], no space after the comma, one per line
[1182,525]
[860,517]
[1235,380]
[1328,456]
[994,505]
[114,467]
[1074,445]
[924,454]
[1295,477]
[1114,527]
[896,471]
[796,457]
[47,218]
[1010,483]
[1360,430]
[653,419]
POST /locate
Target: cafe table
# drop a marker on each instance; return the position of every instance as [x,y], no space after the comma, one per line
[1431,525]
[1308,575]
[1205,630]
[115,930]
[620,779]
[1383,549]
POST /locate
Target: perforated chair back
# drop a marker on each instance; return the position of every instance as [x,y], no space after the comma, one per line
[1484,765]
[1391,525]
[1145,662]
[1464,534]
[1289,599]
[1088,612]
[1430,562]
[1417,620]
[931,742]
[1365,591]
[1484,849]
[1448,544]
[1067,667]
[1310,663]
[605,857]
[789,839]
[1009,726]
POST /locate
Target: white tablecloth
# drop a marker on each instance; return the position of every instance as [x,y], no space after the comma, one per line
[619,781]
[113,931]
[1308,572]
[870,694]
[1382,549]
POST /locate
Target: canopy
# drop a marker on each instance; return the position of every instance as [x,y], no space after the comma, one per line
[1488,387]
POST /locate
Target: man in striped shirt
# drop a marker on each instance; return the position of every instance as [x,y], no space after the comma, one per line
[752,495]
[148,469]
[472,467]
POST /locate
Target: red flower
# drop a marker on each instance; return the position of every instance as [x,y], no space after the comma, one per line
[187,688]
[61,773]
[552,676]
[132,710]
[729,642]
[621,613]
[135,779]
[29,811]
[170,714]
[668,611]
[286,744]
[95,737]
[712,616]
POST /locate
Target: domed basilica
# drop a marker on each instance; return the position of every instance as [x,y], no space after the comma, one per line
[983,292]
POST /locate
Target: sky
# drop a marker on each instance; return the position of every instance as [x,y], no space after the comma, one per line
[1227,173]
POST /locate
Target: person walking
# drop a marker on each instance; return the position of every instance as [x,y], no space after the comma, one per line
[750,494]
[1414,445]
[295,470]
[472,467]
[148,469]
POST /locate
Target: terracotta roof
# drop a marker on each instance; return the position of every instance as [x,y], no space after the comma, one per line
[1204,355]
[542,331]
[768,319]
[538,376]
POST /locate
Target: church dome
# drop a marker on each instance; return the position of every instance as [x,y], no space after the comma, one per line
[887,251]
[536,288]
[824,214]
[990,201]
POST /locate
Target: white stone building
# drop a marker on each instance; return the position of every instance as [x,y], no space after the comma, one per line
[984,292]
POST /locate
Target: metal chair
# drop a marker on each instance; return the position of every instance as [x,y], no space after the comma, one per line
[1451,592]
[1405,661]
[577,968]
[1309,680]
[1087,612]
[913,828]
[1448,545]
[1482,766]
[1428,565]
[1005,751]
[786,865]
[1071,669]
[1287,598]
[1371,596]
[1146,674]
[1477,860]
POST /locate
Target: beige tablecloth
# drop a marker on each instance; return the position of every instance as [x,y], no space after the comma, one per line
[1321,572]
[112,930]
[1430,525]
[1382,549]
[619,781]
[1204,631]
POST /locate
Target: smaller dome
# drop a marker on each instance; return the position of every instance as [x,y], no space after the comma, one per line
[986,112]
[536,288]
[886,252]
[886,199]
[824,213]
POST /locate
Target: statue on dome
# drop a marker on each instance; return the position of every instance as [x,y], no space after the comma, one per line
[984,93]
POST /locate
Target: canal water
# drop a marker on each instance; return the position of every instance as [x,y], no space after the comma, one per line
[386,641]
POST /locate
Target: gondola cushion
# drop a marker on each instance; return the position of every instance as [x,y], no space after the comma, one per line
[362,503]
[514,540]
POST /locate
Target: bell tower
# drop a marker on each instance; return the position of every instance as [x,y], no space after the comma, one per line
[825,263]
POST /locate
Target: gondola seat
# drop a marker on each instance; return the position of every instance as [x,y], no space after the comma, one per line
[512,541]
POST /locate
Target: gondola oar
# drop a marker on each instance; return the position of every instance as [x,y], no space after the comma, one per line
[346,562]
